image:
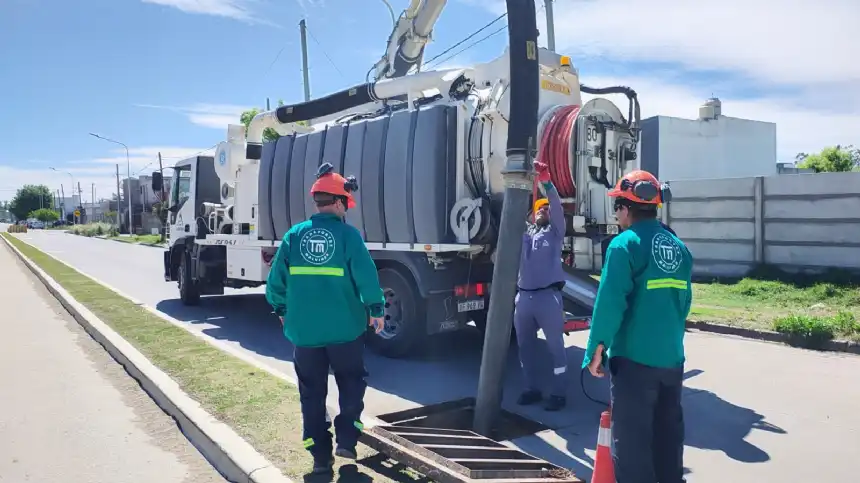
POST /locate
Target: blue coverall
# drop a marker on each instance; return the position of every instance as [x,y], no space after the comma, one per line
[538,301]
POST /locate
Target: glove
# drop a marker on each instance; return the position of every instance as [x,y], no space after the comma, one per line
[542,172]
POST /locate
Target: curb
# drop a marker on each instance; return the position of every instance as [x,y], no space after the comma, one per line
[225,450]
[151,245]
[846,346]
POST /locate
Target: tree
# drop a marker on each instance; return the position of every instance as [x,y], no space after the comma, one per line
[44,214]
[833,159]
[30,198]
[269,134]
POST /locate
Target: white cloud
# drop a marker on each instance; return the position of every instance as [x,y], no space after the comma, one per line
[790,64]
[237,9]
[241,10]
[99,172]
[215,116]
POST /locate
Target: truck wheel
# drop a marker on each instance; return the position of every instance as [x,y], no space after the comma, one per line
[405,323]
[189,293]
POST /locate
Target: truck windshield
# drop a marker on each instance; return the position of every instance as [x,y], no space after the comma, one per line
[181,185]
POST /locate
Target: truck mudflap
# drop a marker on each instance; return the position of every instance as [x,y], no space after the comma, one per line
[167,274]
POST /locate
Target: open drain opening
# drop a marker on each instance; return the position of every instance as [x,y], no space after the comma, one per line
[438,442]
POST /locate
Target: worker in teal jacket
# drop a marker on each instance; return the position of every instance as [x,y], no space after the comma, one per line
[323,286]
[639,317]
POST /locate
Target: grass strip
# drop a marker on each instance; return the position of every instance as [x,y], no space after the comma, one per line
[261,407]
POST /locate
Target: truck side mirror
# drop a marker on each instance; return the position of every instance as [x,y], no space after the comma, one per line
[157,182]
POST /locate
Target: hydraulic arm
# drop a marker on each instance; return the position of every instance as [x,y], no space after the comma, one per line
[411,34]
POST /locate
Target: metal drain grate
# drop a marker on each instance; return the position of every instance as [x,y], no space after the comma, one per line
[461,456]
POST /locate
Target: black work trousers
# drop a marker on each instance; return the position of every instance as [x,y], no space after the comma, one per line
[312,368]
[647,422]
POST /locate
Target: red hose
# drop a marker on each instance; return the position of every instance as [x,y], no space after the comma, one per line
[555,149]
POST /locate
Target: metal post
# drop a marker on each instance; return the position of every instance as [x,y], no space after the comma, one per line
[63,204]
[518,176]
[303,30]
[550,26]
[164,195]
[118,199]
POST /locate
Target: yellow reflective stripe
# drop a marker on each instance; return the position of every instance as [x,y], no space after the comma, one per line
[666,283]
[358,425]
[329,271]
[308,443]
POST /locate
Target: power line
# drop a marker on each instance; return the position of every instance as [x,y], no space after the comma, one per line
[473,44]
[310,32]
[476,32]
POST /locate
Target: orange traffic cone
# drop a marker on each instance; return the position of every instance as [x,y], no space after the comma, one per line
[604,472]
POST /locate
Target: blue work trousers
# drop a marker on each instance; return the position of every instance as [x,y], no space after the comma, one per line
[541,309]
[312,365]
[647,422]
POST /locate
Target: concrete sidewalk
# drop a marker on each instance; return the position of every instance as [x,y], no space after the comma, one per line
[68,411]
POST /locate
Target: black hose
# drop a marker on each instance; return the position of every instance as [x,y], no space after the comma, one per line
[634,113]
[524,78]
[584,392]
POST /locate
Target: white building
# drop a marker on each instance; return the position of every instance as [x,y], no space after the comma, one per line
[712,146]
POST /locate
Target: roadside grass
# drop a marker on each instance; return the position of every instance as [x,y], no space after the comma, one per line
[262,408]
[811,307]
[139,239]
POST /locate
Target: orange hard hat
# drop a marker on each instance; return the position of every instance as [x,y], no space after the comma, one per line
[639,187]
[334,184]
[540,204]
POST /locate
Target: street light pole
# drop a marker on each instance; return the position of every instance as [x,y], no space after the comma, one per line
[128,176]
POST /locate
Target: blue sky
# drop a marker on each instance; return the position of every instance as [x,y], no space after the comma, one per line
[168,75]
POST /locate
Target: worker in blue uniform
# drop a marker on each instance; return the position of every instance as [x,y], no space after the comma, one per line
[538,303]
[323,285]
[639,317]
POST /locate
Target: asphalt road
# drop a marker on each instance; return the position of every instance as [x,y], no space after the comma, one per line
[754,411]
[68,411]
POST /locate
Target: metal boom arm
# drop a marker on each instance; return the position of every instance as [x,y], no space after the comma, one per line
[411,34]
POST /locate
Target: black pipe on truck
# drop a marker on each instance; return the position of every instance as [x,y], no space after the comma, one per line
[518,175]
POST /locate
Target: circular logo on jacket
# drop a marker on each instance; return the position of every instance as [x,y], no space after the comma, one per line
[317,246]
[666,252]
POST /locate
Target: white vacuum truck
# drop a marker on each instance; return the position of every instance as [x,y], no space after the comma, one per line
[427,149]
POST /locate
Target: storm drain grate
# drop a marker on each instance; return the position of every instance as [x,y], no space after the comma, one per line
[451,455]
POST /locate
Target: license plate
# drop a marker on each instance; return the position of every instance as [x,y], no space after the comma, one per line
[470,305]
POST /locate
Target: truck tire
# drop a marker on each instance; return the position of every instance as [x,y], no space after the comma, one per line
[405,318]
[189,293]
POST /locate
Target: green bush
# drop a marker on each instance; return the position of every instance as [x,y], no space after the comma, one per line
[93,229]
[814,331]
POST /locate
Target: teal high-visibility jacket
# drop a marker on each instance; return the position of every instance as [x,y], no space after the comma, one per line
[644,297]
[323,282]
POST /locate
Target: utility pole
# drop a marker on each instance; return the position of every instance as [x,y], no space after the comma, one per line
[162,208]
[118,199]
[63,204]
[80,201]
[550,26]
[303,30]
[518,175]
[93,199]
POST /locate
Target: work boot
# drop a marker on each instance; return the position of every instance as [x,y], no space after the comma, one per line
[344,452]
[532,396]
[323,464]
[555,403]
